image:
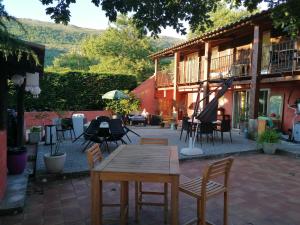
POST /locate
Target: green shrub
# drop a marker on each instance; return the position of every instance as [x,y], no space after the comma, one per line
[35,129]
[269,136]
[123,106]
[74,91]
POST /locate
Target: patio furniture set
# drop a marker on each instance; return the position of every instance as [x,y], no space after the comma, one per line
[194,127]
[156,162]
[103,130]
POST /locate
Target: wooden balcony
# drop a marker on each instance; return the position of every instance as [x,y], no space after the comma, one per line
[164,79]
[283,57]
[231,65]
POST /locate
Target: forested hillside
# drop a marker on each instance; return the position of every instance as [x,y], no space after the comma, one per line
[62,39]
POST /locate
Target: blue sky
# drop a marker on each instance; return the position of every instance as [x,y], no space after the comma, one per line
[83,14]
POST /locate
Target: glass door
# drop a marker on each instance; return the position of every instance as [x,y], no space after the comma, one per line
[241,106]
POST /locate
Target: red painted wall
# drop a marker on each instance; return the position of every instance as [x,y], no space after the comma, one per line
[228,104]
[285,90]
[146,93]
[31,120]
[3,168]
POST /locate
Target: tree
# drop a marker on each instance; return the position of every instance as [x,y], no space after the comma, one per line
[73,61]
[222,16]
[122,48]
[151,15]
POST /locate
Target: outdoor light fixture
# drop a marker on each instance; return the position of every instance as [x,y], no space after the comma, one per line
[32,84]
[17,79]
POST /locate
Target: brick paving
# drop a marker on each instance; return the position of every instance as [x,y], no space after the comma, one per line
[265,190]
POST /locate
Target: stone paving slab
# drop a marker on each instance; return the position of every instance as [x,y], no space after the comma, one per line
[76,161]
[264,190]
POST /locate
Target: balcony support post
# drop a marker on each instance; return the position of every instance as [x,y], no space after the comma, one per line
[255,72]
[176,70]
[206,70]
[156,62]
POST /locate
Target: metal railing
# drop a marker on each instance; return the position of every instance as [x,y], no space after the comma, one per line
[281,57]
[184,78]
[164,79]
[231,65]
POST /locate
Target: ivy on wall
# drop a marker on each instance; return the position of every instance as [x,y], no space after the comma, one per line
[73,91]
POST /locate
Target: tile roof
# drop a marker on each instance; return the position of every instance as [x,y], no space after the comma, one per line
[201,38]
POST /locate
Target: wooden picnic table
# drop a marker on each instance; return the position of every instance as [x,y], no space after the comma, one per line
[145,163]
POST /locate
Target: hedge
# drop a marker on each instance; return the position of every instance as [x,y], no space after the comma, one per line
[74,91]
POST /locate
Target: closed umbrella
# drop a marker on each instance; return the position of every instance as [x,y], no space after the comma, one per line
[115,95]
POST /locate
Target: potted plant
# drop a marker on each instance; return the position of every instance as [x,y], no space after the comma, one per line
[16,154]
[35,135]
[55,160]
[269,139]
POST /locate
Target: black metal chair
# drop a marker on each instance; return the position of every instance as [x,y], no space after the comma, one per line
[117,131]
[186,126]
[104,132]
[91,134]
[225,126]
[66,124]
[206,128]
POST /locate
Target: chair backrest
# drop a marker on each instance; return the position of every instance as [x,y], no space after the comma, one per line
[226,125]
[206,128]
[185,123]
[154,141]
[220,168]
[103,119]
[116,127]
[93,128]
[94,155]
[66,123]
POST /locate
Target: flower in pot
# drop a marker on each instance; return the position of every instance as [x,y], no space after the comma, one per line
[269,139]
[55,160]
[35,135]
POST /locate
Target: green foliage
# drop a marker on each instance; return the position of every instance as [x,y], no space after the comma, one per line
[73,61]
[121,49]
[222,16]
[35,129]
[123,106]
[57,38]
[73,91]
[151,15]
[60,39]
[269,136]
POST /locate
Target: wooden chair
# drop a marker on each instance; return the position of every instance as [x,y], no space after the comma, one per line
[94,156]
[139,192]
[154,141]
[204,187]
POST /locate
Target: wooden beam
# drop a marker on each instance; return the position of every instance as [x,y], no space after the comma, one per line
[255,71]
[3,101]
[280,79]
[20,115]
[176,70]
[206,69]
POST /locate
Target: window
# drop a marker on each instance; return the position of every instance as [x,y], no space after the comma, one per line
[263,102]
[192,68]
[276,104]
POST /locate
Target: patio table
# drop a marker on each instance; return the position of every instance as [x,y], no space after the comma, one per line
[143,163]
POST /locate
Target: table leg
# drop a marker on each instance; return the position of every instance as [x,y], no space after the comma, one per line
[96,195]
[174,200]
[124,202]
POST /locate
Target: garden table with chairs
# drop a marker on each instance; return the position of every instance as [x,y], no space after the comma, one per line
[140,163]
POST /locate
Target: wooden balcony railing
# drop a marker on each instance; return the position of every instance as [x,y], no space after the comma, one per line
[281,57]
[231,65]
[164,79]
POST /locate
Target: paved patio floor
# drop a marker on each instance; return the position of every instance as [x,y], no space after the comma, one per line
[265,190]
[76,160]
